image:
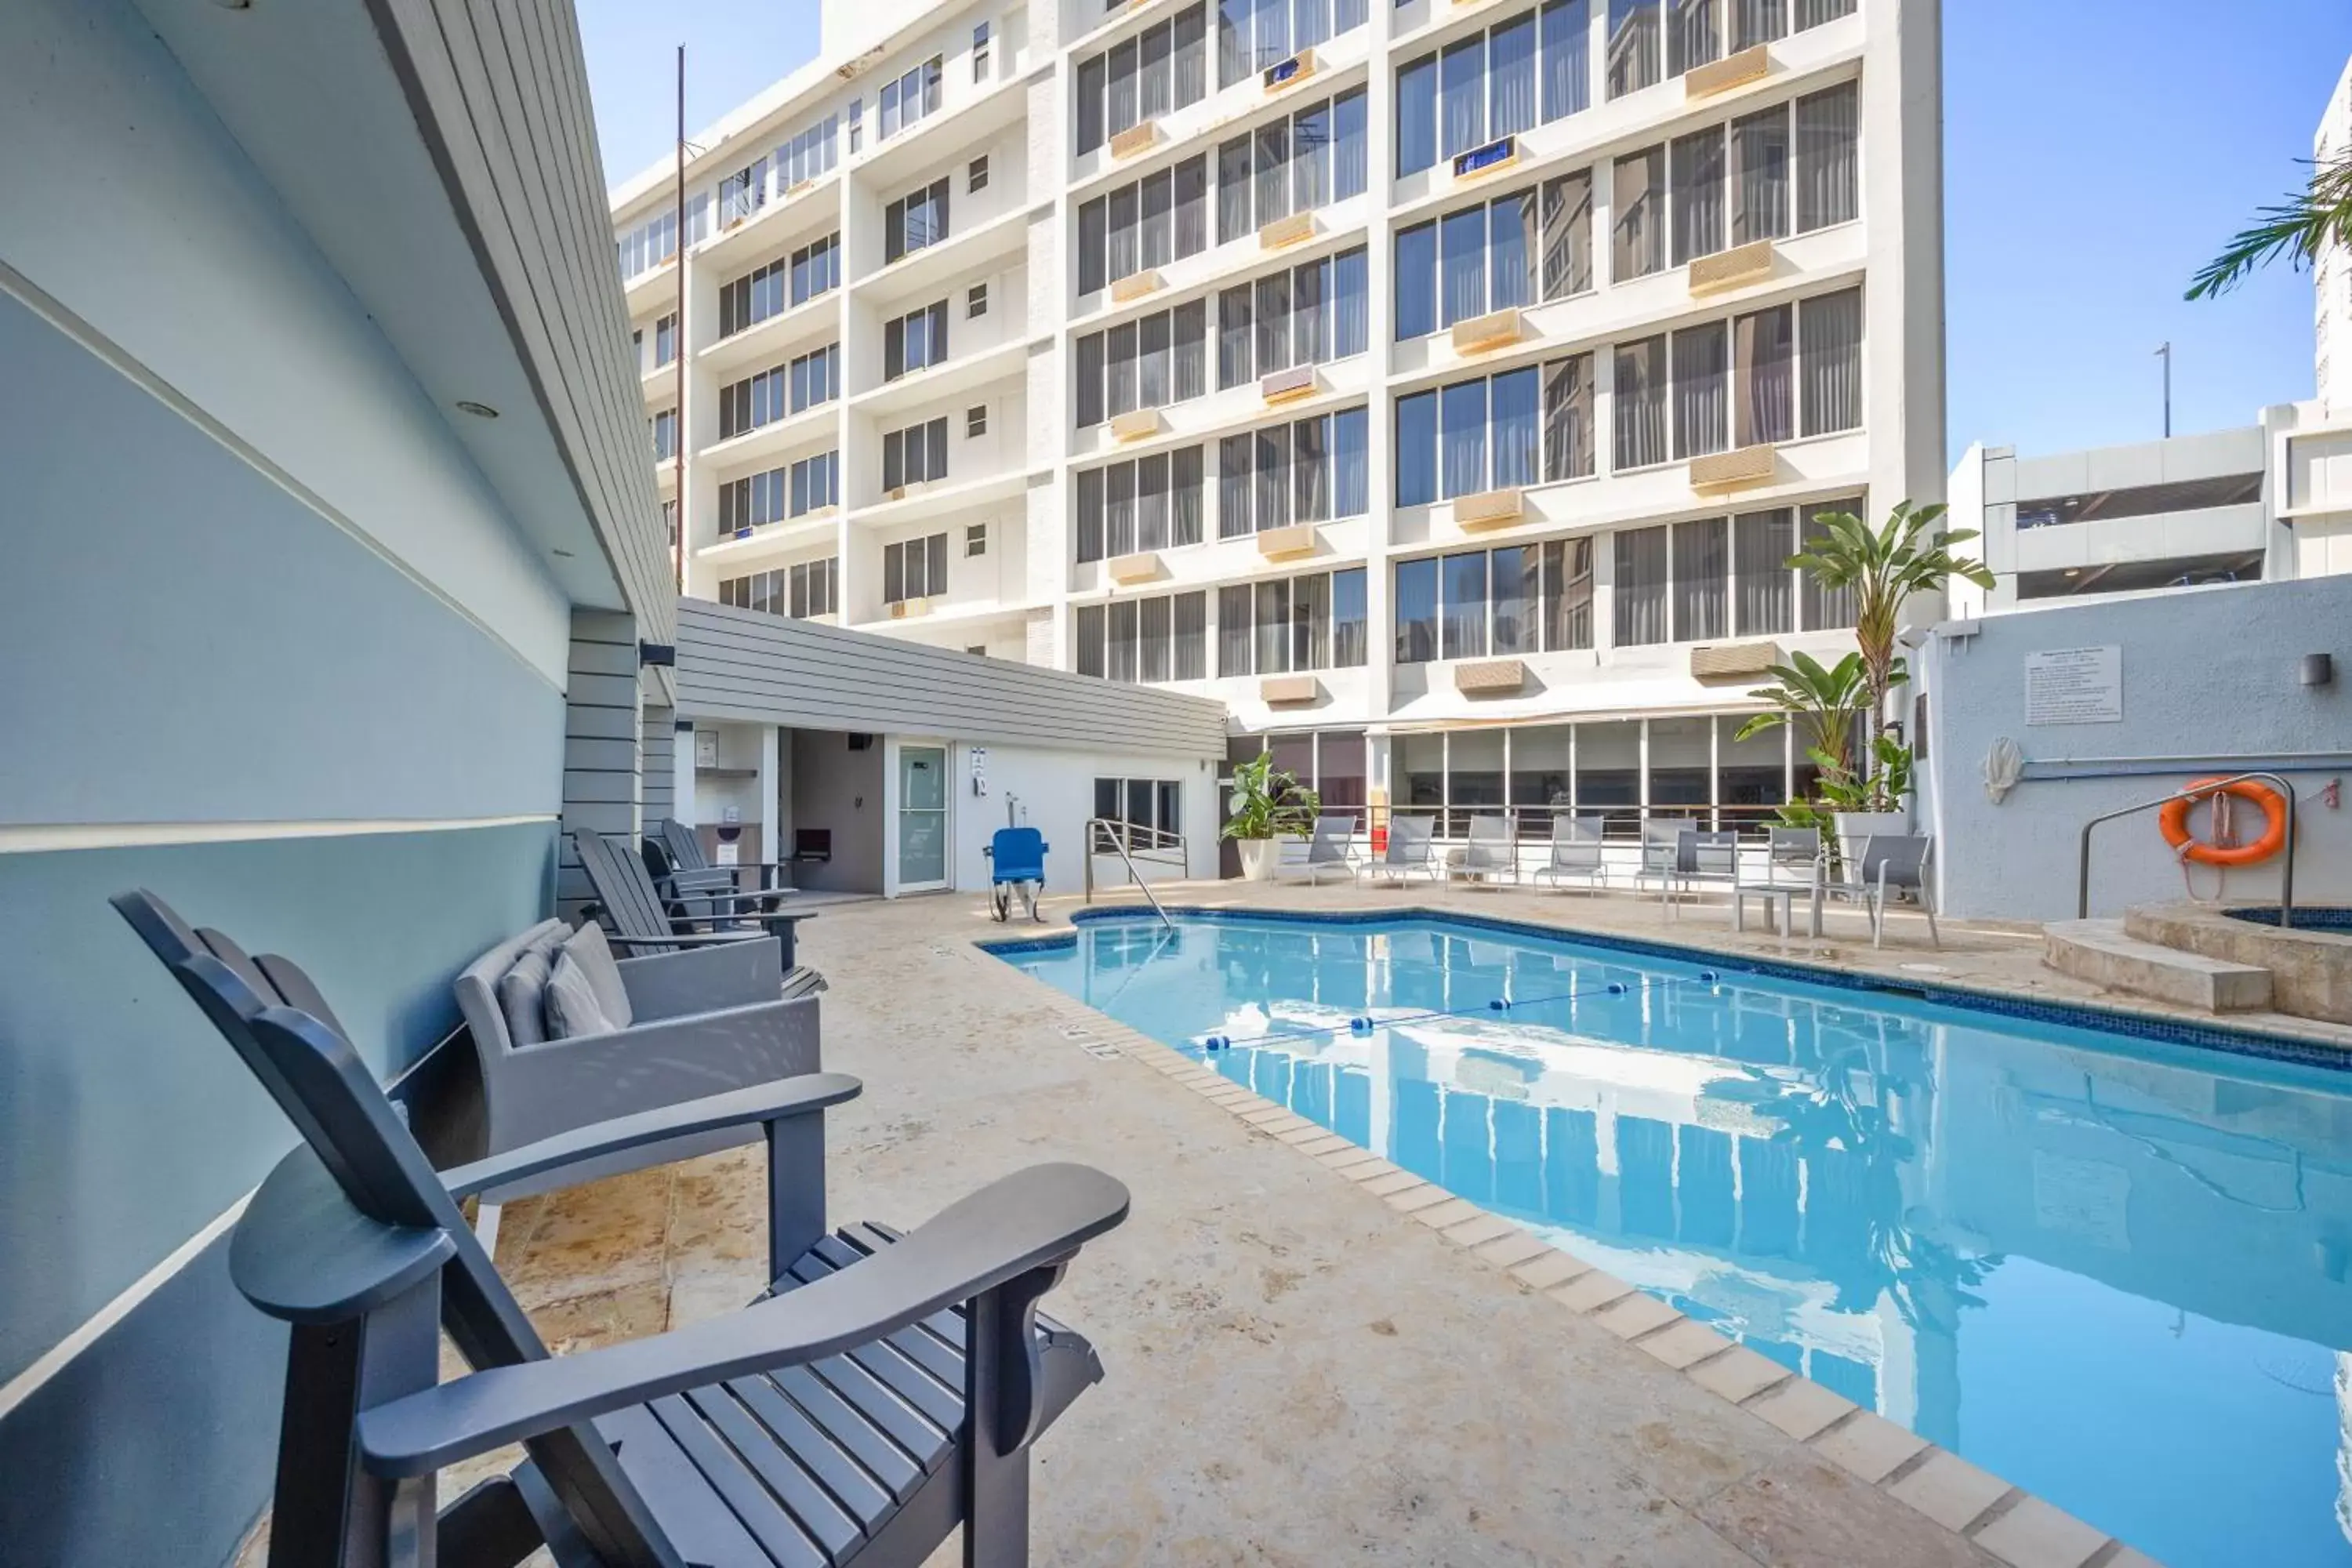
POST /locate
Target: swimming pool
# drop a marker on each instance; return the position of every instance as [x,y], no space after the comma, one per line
[2115,1271]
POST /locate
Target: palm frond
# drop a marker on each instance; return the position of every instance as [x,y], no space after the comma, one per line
[2298,228]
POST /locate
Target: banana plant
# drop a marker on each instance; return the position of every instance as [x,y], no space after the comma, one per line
[1268,803]
[1822,699]
[1884,567]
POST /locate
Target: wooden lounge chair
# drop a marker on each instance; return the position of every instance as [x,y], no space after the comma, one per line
[1576,847]
[884,1390]
[634,915]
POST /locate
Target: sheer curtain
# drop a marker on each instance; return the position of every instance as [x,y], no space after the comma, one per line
[1272,500]
[1191,228]
[1234,337]
[1461,266]
[1119,509]
[1349,167]
[1310,312]
[1828,127]
[1701,390]
[1826,609]
[1638,400]
[1760,189]
[1762,586]
[1461,438]
[1828,345]
[1514,590]
[1350,303]
[1416,113]
[1152,502]
[1233,41]
[1234,189]
[1273,628]
[1234,630]
[1189,613]
[1511,251]
[1121,640]
[1814,13]
[1694,36]
[1272,32]
[1090,639]
[1416,450]
[1310,622]
[1184,497]
[1511,78]
[1274,323]
[1699,195]
[1351,471]
[1311,22]
[1462,106]
[1765,405]
[1567,57]
[1640,225]
[1567,418]
[1639,594]
[1634,52]
[1516,397]
[1191,374]
[1310,158]
[1702,566]
[1416,611]
[1310,471]
[1463,625]
[1233,467]
[1157,223]
[1153,638]
[1756,22]
[1273,194]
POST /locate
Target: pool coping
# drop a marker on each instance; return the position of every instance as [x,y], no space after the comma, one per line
[2265,1044]
[2003,1519]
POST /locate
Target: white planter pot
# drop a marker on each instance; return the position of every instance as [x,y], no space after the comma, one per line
[1259,857]
[1854,826]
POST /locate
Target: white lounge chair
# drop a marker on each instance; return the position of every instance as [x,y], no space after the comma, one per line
[1575,851]
[1332,845]
[1492,850]
[1410,850]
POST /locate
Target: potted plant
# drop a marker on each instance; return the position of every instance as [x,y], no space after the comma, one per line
[1884,568]
[1267,804]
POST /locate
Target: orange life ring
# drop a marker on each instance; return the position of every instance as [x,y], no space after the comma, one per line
[2174,820]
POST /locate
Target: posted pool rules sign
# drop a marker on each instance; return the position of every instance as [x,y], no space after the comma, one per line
[2074,685]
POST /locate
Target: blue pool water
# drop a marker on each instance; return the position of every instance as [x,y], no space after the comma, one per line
[2118,1272]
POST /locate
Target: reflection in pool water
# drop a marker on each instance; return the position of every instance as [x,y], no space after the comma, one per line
[2111,1271]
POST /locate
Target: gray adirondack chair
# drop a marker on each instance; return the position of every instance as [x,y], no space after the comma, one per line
[886,1389]
[691,885]
[633,914]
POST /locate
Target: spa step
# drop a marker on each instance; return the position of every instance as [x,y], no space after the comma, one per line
[2099,951]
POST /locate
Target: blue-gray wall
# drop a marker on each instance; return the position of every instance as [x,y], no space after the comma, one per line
[218,693]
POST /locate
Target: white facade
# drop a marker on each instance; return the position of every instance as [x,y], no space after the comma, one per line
[1796,195]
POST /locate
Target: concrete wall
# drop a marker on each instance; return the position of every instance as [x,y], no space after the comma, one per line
[2209,686]
[1053,790]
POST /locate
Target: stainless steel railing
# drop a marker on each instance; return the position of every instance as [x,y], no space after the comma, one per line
[1105,837]
[2286,871]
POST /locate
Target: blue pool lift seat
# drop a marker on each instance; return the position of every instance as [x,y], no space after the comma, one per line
[1017,869]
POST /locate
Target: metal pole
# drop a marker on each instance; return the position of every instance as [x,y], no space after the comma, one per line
[2165,354]
[677,331]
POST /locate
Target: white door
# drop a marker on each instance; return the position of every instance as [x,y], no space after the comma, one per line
[922,817]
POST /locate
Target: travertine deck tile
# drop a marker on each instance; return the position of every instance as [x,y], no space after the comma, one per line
[1739,1375]
[1636,1315]
[2034,1534]
[1685,1343]
[1480,1229]
[1798,1407]
[1597,1289]
[1869,1446]
[1510,1251]
[1951,1491]
[1548,1268]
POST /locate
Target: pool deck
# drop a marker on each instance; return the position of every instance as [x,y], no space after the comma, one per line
[1313,1358]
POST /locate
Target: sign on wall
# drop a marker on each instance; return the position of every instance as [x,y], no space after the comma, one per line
[2074,685]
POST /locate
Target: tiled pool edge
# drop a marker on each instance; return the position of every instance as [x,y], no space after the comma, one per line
[2004,1521]
[2119,1017]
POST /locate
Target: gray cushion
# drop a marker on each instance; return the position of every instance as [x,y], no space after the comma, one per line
[572,1010]
[588,949]
[521,1002]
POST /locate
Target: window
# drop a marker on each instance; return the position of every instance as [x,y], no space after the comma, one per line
[665,428]
[1639,239]
[1828,132]
[975,301]
[1530,598]
[1155,639]
[980,59]
[1751,178]
[1166,68]
[975,539]
[1314,622]
[1721,577]
[804,589]
[905,100]
[1639,401]
[1163,354]
[1144,806]
[787,389]
[1829,361]
[1634,53]
[1145,504]
[803,487]
[914,569]
[1568,446]
[817,269]
[654,241]
[1814,13]
[806,155]
[1308,470]
[975,421]
[1310,314]
[1471,437]
[1530,69]
[915,340]
[976,175]
[917,454]
[669,522]
[1316,157]
[742,193]
[1697,180]
[814,269]
[915,221]
[1513,251]
[1159,218]
[665,341]
[857,124]
[1254,38]
[1759,175]
[1767,376]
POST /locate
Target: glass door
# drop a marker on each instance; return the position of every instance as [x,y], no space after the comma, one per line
[922,817]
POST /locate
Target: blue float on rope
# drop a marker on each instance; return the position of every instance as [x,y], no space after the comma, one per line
[1616,988]
[1359,1026]
[1216,1043]
[1499,1004]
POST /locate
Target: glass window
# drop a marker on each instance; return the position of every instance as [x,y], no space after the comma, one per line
[1699,193]
[1271,161]
[1461,438]
[1681,764]
[1273,642]
[1189,658]
[1826,608]
[1184,508]
[1541,763]
[1762,587]
[1634,57]
[1234,633]
[1416,611]
[1702,368]
[1756,22]
[1473,775]
[1567,235]
[1310,622]
[1515,590]
[1567,418]
[1759,175]
[1464,623]
[1235,467]
[1829,128]
[1417,115]
[1349,642]
[1640,223]
[1700,568]
[1639,596]
[1511,251]
[1310,158]
[1639,403]
[1351,464]
[1694,34]
[1829,340]
[1764,404]
[1416,438]
[1511,76]
[1567,57]
[1462,95]
[1420,763]
[1567,595]
[1350,144]
[1516,397]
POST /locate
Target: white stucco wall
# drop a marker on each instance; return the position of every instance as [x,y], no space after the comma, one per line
[1054,792]
[2209,686]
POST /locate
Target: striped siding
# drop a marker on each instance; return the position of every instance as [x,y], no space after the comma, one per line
[602,734]
[657,751]
[764,669]
[502,99]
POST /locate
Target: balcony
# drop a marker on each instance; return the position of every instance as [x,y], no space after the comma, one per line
[811,323]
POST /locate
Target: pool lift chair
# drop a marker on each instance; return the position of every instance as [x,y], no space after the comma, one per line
[1016,869]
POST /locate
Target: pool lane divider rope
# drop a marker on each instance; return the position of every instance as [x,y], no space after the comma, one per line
[1364,1023]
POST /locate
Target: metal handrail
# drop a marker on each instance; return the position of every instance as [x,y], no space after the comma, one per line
[1104,830]
[2196,793]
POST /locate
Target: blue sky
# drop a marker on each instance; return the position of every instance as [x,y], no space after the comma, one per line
[2096,152]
